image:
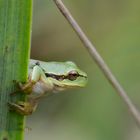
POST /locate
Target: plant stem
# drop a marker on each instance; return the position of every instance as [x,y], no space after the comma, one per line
[99,60]
[15,30]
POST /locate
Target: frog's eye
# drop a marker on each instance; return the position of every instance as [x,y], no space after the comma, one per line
[73,75]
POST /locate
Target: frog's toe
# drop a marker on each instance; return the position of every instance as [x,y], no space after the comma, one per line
[22,108]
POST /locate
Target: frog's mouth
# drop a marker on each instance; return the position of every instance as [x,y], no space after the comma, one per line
[67,84]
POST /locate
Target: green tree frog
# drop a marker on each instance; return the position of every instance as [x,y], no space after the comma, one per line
[46,77]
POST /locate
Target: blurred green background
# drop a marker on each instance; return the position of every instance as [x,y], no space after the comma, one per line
[95,112]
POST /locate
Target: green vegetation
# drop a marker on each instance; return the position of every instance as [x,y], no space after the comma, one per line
[15,30]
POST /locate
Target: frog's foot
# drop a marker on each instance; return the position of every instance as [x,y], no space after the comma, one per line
[23,108]
[23,87]
[26,87]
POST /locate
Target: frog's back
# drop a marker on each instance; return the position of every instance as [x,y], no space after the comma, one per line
[54,67]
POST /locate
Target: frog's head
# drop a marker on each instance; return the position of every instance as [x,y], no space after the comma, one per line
[66,75]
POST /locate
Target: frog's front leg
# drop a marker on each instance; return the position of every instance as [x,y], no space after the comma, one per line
[24,108]
[33,79]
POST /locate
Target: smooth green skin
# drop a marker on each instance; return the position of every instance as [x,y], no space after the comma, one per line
[58,68]
[37,70]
